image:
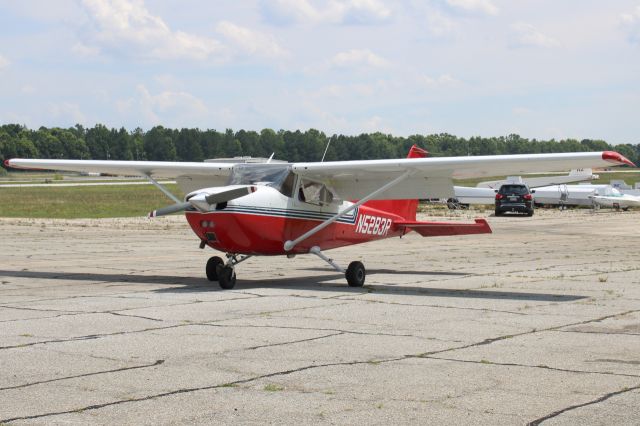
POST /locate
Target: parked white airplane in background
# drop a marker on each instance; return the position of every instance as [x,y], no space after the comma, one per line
[617,200]
[484,192]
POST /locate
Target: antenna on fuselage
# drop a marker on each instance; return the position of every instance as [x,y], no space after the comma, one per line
[325,150]
[271,158]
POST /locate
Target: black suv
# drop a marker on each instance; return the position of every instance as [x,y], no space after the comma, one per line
[514,197]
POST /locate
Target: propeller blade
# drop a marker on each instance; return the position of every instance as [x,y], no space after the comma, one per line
[169,209]
[229,195]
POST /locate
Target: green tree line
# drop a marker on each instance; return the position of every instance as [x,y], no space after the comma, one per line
[164,144]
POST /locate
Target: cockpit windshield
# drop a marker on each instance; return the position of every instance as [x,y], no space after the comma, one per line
[278,176]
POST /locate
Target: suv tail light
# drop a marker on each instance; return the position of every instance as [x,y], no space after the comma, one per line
[527,197]
[499,196]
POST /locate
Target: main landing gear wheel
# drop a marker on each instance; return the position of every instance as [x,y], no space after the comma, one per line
[212,268]
[226,277]
[355,274]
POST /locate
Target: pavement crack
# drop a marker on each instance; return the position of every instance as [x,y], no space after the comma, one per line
[95,373]
[194,389]
[292,341]
[585,404]
[133,316]
[337,330]
[419,305]
[544,367]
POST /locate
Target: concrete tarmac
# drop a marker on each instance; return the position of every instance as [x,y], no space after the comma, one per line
[112,322]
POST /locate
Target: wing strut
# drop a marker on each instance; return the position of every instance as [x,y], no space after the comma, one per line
[288,245]
[164,190]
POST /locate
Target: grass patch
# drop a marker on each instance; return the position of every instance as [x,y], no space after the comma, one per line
[271,387]
[83,202]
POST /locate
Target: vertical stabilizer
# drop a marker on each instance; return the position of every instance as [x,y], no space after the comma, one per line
[404,208]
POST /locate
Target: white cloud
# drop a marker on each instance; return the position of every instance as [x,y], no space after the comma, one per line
[526,35]
[631,21]
[128,28]
[28,89]
[4,62]
[376,124]
[82,49]
[443,81]
[439,25]
[358,58]
[348,12]
[474,6]
[67,112]
[177,108]
[251,42]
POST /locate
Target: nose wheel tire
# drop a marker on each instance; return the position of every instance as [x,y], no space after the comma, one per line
[226,277]
[355,274]
[211,269]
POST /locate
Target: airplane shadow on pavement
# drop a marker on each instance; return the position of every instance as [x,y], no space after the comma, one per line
[312,282]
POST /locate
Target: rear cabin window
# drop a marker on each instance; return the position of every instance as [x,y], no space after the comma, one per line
[514,190]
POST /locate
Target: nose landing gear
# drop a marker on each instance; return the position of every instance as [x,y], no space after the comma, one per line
[224,273]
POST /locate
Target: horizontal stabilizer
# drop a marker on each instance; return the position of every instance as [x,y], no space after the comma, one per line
[439,229]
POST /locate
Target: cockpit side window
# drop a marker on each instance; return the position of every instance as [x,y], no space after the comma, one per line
[313,192]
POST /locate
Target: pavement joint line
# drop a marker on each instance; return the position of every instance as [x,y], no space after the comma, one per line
[418,305]
[144,330]
[544,367]
[510,336]
[613,333]
[364,333]
[309,367]
[189,390]
[133,316]
[95,373]
[603,398]
[285,343]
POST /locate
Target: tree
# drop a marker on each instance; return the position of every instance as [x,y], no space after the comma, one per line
[159,145]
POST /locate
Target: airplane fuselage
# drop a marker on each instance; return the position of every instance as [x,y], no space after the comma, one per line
[260,223]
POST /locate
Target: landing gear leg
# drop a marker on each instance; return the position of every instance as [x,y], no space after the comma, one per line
[355,273]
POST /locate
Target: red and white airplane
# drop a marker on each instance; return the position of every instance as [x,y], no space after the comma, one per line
[270,209]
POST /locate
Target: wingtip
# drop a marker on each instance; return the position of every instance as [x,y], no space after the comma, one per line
[7,164]
[615,157]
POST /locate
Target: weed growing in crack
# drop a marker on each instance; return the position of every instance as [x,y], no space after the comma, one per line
[272,387]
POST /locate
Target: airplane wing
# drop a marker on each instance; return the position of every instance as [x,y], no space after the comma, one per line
[156,169]
[432,177]
[190,175]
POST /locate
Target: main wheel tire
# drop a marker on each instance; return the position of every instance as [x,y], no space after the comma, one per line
[212,268]
[355,274]
[226,277]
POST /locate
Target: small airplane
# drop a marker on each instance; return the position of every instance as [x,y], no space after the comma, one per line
[269,209]
[615,199]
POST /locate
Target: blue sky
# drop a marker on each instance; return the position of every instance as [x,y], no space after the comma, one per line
[542,69]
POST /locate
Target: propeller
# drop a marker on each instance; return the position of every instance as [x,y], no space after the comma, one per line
[203,200]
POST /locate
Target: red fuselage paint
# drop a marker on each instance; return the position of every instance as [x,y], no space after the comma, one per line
[265,234]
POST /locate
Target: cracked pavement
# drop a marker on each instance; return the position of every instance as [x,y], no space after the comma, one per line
[112,321]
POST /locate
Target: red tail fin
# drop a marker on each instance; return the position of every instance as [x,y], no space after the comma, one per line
[404,208]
